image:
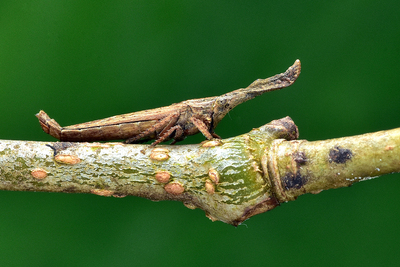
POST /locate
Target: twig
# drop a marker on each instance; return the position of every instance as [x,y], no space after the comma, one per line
[231,179]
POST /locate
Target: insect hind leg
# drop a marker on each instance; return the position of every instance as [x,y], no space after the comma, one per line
[165,136]
[164,125]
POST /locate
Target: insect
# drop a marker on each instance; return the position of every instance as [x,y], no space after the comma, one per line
[176,121]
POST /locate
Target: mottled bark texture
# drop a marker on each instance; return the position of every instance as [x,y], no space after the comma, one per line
[231,179]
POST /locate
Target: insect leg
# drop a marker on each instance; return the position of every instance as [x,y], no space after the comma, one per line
[216,135]
[163,124]
[178,133]
[202,127]
[172,118]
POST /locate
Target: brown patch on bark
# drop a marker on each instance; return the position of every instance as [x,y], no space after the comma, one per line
[286,126]
[291,180]
[262,207]
[340,155]
[389,147]
[300,157]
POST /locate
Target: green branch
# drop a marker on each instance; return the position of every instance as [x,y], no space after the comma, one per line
[231,179]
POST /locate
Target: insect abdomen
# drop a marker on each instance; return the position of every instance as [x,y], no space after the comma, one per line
[107,132]
[86,132]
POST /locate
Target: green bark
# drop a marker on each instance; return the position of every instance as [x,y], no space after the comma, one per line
[301,167]
[231,179]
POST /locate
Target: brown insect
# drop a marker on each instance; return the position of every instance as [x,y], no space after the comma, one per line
[176,121]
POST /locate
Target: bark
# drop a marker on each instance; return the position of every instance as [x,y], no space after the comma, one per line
[231,179]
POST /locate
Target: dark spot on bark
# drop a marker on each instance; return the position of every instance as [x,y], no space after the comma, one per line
[70,189]
[292,180]
[54,150]
[58,146]
[340,155]
[300,157]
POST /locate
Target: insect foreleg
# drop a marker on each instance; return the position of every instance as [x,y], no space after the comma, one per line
[203,128]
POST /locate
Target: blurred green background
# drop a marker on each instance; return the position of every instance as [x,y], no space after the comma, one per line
[86,60]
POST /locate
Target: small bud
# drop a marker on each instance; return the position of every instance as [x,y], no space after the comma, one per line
[159,154]
[212,143]
[210,187]
[163,177]
[214,175]
[39,173]
[67,159]
[102,192]
[174,188]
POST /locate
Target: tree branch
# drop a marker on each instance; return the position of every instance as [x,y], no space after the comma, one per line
[231,179]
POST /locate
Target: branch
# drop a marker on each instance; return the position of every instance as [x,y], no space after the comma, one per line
[231,179]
